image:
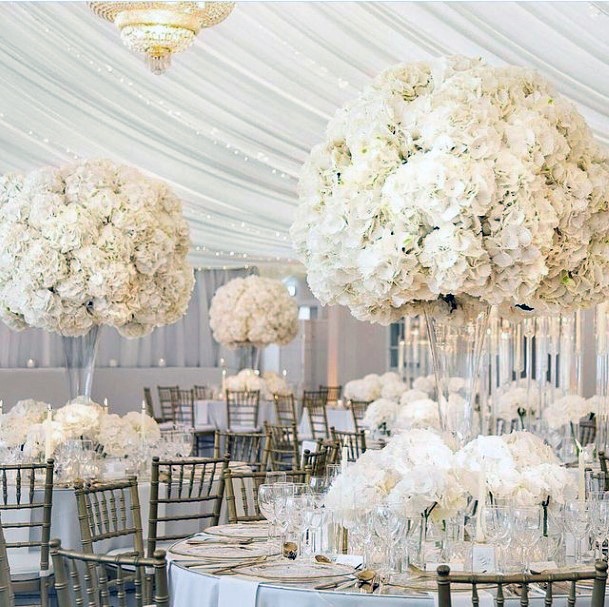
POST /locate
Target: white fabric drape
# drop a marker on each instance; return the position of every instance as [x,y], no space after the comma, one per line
[187,343]
[233,119]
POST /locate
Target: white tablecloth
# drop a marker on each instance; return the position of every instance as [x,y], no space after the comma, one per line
[191,588]
[341,419]
[214,412]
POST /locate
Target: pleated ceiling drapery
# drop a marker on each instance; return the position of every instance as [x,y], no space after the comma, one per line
[232,121]
[187,343]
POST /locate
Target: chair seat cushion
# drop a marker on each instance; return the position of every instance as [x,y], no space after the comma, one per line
[25,565]
[201,428]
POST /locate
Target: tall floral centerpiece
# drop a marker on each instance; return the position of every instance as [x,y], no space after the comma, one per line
[253,312]
[89,244]
[449,186]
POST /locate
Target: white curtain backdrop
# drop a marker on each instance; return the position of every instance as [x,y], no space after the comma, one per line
[187,343]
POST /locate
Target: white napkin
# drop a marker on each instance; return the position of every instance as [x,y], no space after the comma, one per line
[234,590]
[464,599]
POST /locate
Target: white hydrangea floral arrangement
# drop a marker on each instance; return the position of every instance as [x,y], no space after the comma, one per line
[453,180]
[418,470]
[254,311]
[92,243]
[26,426]
[267,384]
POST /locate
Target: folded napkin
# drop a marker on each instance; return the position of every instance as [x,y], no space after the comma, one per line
[234,590]
[464,599]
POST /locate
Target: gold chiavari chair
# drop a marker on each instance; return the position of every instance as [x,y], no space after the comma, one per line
[182,491]
[282,447]
[26,505]
[109,511]
[334,392]
[7,597]
[242,492]
[602,458]
[354,441]
[523,580]
[587,430]
[82,579]
[285,409]
[318,460]
[314,404]
[149,404]
[242,410]
[201,392]
[166,398]
[241,447]
[183,406]
[358,411]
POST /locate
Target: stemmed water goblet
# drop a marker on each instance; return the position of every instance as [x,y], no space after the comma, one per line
[526,525]
[496,526]
[273,504]
[577,521]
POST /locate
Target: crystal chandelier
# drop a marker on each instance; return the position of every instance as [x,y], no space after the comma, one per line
[160,29]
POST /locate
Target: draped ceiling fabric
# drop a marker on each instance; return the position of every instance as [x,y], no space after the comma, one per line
[233,119]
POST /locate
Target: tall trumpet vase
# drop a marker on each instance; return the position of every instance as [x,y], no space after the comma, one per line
[80,353]
[456,340]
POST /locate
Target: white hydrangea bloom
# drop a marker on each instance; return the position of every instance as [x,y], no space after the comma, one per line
[92,243]
[455,178]
[253,310]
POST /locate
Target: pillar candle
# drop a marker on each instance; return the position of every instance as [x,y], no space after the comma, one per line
[143,420]
[106,406]
[401,358]
[344,457]
[581,476]
[47,434]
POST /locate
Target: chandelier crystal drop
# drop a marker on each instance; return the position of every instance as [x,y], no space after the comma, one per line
[158,30]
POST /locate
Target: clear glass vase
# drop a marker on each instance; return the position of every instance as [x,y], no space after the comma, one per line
[456,340]
[249,356]
[80,355]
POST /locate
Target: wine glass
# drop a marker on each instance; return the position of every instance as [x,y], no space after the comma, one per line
[577,520]
[526,524]
[273,504]
[389,525]
[496,526]
[600,524]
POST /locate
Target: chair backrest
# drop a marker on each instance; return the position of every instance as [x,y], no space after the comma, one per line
[587,430]
[354,441]
[242,492]
[282,447]
[81,579]
[184,490]
[317,461]
[26,503]
[201,392]
[334,392]
[444,579]
[358,411]
[285,409]
[241,446]
[166,398]
[183,407]
[242,409]
[109,511]
[149,403]
[314,403]
[7,597]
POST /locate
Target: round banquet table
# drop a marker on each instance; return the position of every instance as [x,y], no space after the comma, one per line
[192,588]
